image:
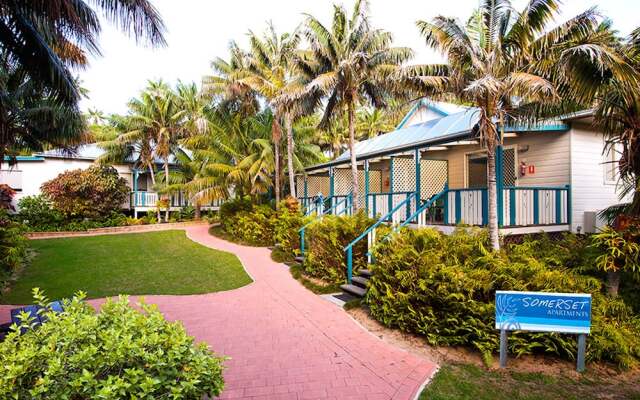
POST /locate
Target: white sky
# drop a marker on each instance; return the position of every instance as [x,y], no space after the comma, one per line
[199,30]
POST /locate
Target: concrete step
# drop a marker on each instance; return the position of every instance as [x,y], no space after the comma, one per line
[299,259]
[365,273]
[354,290]
[360,281]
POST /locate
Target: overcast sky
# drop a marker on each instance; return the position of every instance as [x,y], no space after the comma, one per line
[199,30]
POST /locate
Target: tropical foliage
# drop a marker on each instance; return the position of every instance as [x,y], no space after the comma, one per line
[41,43]
[13,247]
[442,287]
[157,360]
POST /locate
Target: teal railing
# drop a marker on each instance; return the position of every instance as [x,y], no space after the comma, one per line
[370,232]
[341,205]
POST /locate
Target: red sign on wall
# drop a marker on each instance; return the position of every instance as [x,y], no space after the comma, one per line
[531,169]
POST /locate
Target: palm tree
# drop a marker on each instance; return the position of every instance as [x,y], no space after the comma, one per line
[372,122]
[617,113]
[47,37]
[352,64]
[506,62]
[227,86]
[236,153]
[272,74]
[31,119]
[95,116]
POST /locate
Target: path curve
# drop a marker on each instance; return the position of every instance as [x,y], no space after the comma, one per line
[286,342]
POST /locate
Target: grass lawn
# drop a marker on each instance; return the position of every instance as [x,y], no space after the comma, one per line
[139,263]
[469,382]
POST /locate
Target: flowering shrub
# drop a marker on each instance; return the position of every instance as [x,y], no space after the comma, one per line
[116,353]
[90,193]
[6,197]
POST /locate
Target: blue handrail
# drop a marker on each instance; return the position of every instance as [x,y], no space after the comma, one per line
[349,248]
[348,200]
[413,216]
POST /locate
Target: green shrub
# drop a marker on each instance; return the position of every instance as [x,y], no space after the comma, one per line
[13,247]
[95,192]
[286,224]
[232,207]
[254,227]
[116,353]
[325,240]
[443,287]
[37,213]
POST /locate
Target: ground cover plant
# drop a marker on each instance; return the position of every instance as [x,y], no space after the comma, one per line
[443,287]
[118,352]
[140,263]
[470,382]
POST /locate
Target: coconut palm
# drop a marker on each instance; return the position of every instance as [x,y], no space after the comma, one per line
[227,86]
[272,74]
[503,58]
[617,113]
[237,156]
[31,119]
[352,64]
[372,122]
[47,37]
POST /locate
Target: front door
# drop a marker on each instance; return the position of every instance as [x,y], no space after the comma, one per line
[476,171]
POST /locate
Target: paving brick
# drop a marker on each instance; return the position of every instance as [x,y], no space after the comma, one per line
[286,342]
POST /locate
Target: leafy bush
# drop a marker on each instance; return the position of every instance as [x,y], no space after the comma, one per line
[232,207]
[325,240]
[443,287]
[87,193]
[286,224]
[253,227]
[37,213]
[116,353]
[13,246]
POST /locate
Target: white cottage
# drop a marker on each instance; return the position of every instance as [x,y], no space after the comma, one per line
[31,172]
[431,171]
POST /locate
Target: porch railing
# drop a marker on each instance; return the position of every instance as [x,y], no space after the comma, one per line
[383,203]
[521,206]
[144,199]
[150,199]
[340,205]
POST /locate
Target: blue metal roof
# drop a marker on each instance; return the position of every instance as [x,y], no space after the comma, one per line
[451,125]
[92,152]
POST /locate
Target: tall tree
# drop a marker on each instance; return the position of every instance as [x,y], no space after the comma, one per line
[44,40]
[617,113]
[352,64]
[507,63]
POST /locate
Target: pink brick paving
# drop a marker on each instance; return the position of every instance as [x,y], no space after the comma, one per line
[287,343]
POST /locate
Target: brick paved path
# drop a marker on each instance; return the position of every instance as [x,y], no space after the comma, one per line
[286,342]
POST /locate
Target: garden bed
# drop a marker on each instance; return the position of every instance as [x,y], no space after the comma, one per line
[115,230]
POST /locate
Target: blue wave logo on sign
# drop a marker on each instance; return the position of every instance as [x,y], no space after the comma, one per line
[543,312]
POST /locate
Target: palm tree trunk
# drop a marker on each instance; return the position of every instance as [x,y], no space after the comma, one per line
[352,153]
[493,194]
[613,283]
[166,182]
[276,156]
[292,173]
[197,212]
[153,183]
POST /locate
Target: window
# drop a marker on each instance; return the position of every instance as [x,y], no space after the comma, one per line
[611,159]
[11,177]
